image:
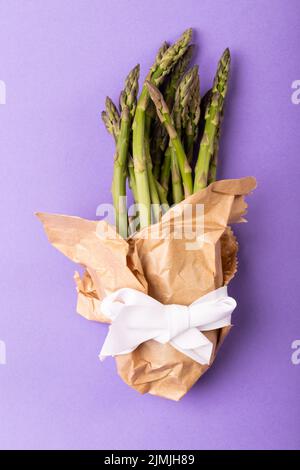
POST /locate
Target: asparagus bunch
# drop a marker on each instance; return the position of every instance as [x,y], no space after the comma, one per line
[157,134]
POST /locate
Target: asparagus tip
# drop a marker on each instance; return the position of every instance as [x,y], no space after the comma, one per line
[226,55]
[153,91]
[188,33]
[135,71]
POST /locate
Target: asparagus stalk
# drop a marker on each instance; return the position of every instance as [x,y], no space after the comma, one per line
[205,100]
[154,195]
[158,71]
[212,172]
[159,142]
[111,119]
[191,116]
[165,170]
[176,76]
[212,122]
[159,137]
[131,177]
[186,91]
[176,179]
[162,196]
[166,118]
[183,95]
[127,107]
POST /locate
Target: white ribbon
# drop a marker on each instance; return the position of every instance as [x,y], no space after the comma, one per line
[137,317]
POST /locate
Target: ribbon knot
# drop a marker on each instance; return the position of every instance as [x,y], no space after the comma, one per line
[137,317]
[178,320]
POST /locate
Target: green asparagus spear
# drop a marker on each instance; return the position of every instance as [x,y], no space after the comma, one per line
[177,191]
[156,136]
[191,115]
[127,107]
[212,122]
[212,172]
[176,76]
[132,181]
[162,196]
[184,93]
[163,48]
[169,59]
[159,142]
[131,178]
[166,170]
[166,118]
[154,195]
[158,71]
[159,136]
[111,118]
[179,111]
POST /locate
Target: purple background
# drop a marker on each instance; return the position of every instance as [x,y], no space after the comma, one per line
[59,59]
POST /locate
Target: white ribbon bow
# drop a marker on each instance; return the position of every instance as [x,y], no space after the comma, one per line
[137,317]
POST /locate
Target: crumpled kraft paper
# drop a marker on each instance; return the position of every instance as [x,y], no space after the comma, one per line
[167,266]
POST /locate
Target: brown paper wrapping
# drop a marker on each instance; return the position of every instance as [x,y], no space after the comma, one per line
[160,263]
